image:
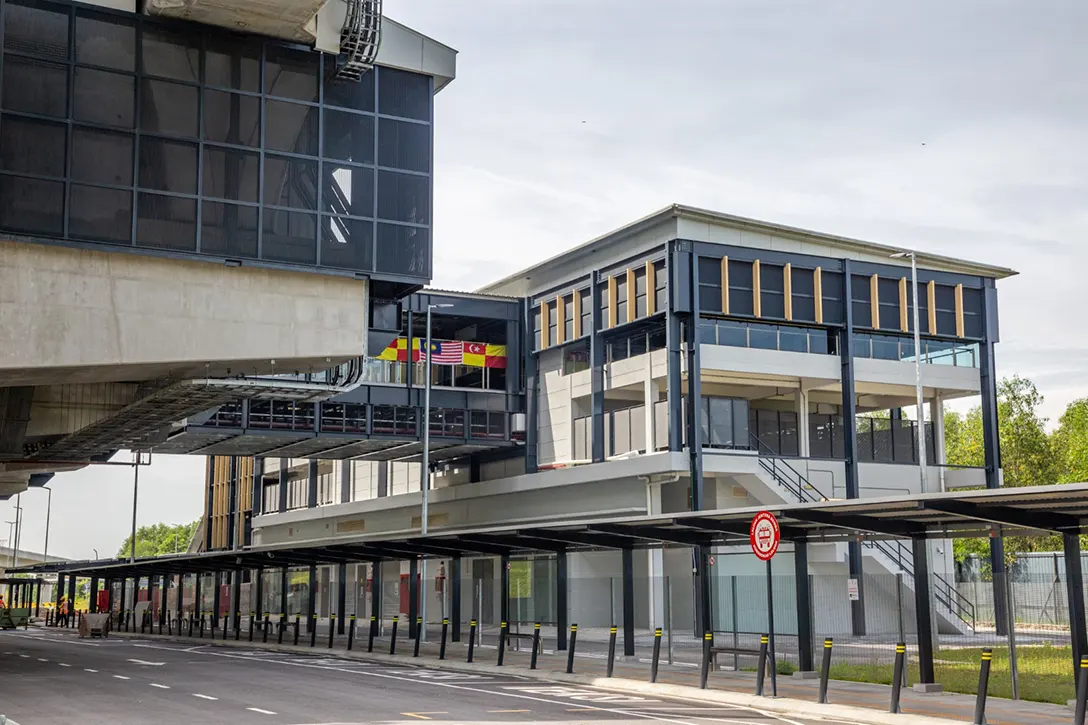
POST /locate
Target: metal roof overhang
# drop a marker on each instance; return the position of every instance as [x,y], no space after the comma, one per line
[1035,510]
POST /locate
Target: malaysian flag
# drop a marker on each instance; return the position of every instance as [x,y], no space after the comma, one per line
[447,352]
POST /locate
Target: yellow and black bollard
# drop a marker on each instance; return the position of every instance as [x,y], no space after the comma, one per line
[419,636]
[298,621]
[611,667]
[313,630]
[761,670]
[372,634]
[536,646]
[351,632]
[471,639]
[825,670]
[983,686]
[656,659]
[393,636]
[502,644]
[1082,691]
[332,627]
[570,652]
[704,672]
[897,676]
[442,645]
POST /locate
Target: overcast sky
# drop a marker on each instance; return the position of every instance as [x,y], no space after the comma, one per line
[955,128]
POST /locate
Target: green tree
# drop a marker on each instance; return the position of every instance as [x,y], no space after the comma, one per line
[160,539]
[1070,442]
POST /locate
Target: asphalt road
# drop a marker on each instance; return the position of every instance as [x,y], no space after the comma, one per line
[52,677]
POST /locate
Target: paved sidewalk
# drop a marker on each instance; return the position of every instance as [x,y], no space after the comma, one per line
[682,680]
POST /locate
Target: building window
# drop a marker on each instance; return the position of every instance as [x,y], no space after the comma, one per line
[741,301]
[772,291]
[365,154]
[568,317]
[640,293]
[972,312]
[621,298]
[888,291]
[587,311]
[946,309]
[832,289]
[724,422]
[803,289]
[553,322]
[536,328]
[710,285]
[861,297]
[661,286]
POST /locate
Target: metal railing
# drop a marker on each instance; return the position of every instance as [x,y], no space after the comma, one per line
[944,592]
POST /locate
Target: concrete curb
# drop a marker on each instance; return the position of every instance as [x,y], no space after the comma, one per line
[780,706]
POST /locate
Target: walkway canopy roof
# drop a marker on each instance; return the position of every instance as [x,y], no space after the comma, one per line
[1027,511]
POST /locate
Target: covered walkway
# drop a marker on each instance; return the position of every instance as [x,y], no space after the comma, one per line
[1029,511]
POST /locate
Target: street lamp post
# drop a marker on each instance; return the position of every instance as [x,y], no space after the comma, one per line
[425,472]
[18,530]
[921,430]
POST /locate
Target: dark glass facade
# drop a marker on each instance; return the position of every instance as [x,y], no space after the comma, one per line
[123,130]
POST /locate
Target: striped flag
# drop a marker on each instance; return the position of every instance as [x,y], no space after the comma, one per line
[447,352]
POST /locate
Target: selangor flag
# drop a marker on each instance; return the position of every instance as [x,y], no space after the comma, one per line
[446,352]
[477,354]
[398,350]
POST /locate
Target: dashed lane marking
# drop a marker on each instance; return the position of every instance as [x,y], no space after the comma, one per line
[42,659]
[64,664]
[498,711]
[204,697]
[122,677]
[423,715]
[88,669]
[263,712]
[161,687]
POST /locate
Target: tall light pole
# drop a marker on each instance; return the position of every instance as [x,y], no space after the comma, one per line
[425,472]
[48,512]
[18,530]
[921,430]
[11,544]
[135,492]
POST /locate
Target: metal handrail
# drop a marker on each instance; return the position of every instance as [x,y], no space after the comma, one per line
[800,488]
[944,592]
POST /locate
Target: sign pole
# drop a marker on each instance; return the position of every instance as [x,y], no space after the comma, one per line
[764,537]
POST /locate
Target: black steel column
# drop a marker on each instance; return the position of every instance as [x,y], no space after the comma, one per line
[311,600]
[257,604]
[1074,585]
[236,599]
[180,599]
[455,598]
[628,556]
[376,590]
[283,591]
[686,277]
[413,596]
[216,595]
[504,588]
[72,593]
[124,595]
[283,484]
[991,444]
[561,610]
[198,603]
[59,593]
[257,493]
[922,604]
[596,369]
[311,483]
[341,597]
[804,607]
[92,599]
[850,439]
[532,402]
[109,595]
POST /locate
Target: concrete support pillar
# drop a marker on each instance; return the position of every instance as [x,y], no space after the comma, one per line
[649,395]
[804,446]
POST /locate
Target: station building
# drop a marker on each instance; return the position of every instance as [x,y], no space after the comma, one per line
[567,390]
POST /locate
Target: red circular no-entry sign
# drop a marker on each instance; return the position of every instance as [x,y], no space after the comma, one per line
[764,535]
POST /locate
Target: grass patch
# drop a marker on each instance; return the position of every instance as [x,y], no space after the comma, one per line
[1046,672]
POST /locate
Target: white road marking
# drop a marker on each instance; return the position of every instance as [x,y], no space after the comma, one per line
[616,711]
[204,697]
[42,659]
[263,712]
[64,664]
[145,662]
[122,677]
[88,669]
[161,687]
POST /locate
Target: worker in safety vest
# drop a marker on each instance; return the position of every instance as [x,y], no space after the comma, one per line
[2,604]
[63,609]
